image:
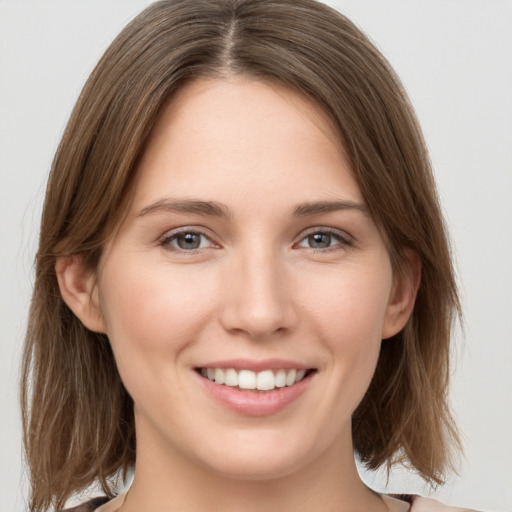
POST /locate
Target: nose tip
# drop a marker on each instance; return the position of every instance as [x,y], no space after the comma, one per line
[259,321]
[258,303]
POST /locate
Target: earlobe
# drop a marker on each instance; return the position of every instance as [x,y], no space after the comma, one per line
[403,296]
[79,292]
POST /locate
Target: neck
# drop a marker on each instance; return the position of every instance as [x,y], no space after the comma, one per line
[168,480]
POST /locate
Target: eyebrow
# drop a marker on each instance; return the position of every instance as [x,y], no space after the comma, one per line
[215,209]
[321,207]
[207,208]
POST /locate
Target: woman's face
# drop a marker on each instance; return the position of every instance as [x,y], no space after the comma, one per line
[248,248]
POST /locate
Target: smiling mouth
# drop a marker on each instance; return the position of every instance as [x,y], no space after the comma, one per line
[248,380]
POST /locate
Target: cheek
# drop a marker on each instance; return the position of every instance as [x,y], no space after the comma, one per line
[154,313]
[349,317]
[350,308]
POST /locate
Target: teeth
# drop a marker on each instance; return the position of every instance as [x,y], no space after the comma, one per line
[246,379]
[219,376]
[300,375]
[290,377]
[231,378]
[280,379]
[265,380]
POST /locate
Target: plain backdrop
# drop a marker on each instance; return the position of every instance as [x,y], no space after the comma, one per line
[455,59]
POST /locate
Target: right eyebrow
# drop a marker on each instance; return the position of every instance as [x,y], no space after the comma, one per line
[197,207]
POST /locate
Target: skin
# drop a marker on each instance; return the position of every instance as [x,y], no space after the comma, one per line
[255,289]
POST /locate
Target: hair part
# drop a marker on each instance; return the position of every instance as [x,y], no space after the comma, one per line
[77,416]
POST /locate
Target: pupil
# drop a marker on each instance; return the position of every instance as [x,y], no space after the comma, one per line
[189,241]
[319,240]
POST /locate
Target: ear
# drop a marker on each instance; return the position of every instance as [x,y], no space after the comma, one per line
[79,291]
[403,295]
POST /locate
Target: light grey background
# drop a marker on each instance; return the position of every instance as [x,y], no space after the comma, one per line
[455,58]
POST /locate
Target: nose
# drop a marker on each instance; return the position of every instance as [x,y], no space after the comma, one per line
[258,297]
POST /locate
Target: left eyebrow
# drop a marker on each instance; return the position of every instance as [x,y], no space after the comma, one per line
[320,207]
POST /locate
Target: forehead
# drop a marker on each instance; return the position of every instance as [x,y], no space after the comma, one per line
[236,136]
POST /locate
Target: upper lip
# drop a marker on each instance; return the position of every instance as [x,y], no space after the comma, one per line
[256,365]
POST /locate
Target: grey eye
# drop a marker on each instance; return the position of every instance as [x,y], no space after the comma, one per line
[188,241]
[325,239]
[320,240]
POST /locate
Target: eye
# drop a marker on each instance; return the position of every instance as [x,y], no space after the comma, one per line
[325,239]
[186,241]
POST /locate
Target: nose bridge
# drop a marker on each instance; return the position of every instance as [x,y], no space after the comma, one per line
[258,301]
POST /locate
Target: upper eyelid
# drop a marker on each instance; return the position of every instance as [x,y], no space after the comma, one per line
[321,229]
[324,229]
[185,229]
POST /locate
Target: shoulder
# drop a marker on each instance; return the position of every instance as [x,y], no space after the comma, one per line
[419,504]
[89,506]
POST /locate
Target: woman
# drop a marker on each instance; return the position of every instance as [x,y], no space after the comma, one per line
[245,277]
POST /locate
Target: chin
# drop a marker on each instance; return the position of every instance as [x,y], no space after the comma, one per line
[256,469]
[259,458]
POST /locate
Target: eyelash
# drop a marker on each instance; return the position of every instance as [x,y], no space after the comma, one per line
[167,240]
[344,240]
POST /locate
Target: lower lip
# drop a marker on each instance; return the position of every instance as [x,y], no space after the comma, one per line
[254,403]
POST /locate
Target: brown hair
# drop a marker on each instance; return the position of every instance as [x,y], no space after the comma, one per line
[77,416]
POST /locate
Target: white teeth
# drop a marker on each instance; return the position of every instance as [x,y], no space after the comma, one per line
[290,377]
[219,376]
[300,375]
[265,380]
[280,379]
[247,379]
[231,378]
